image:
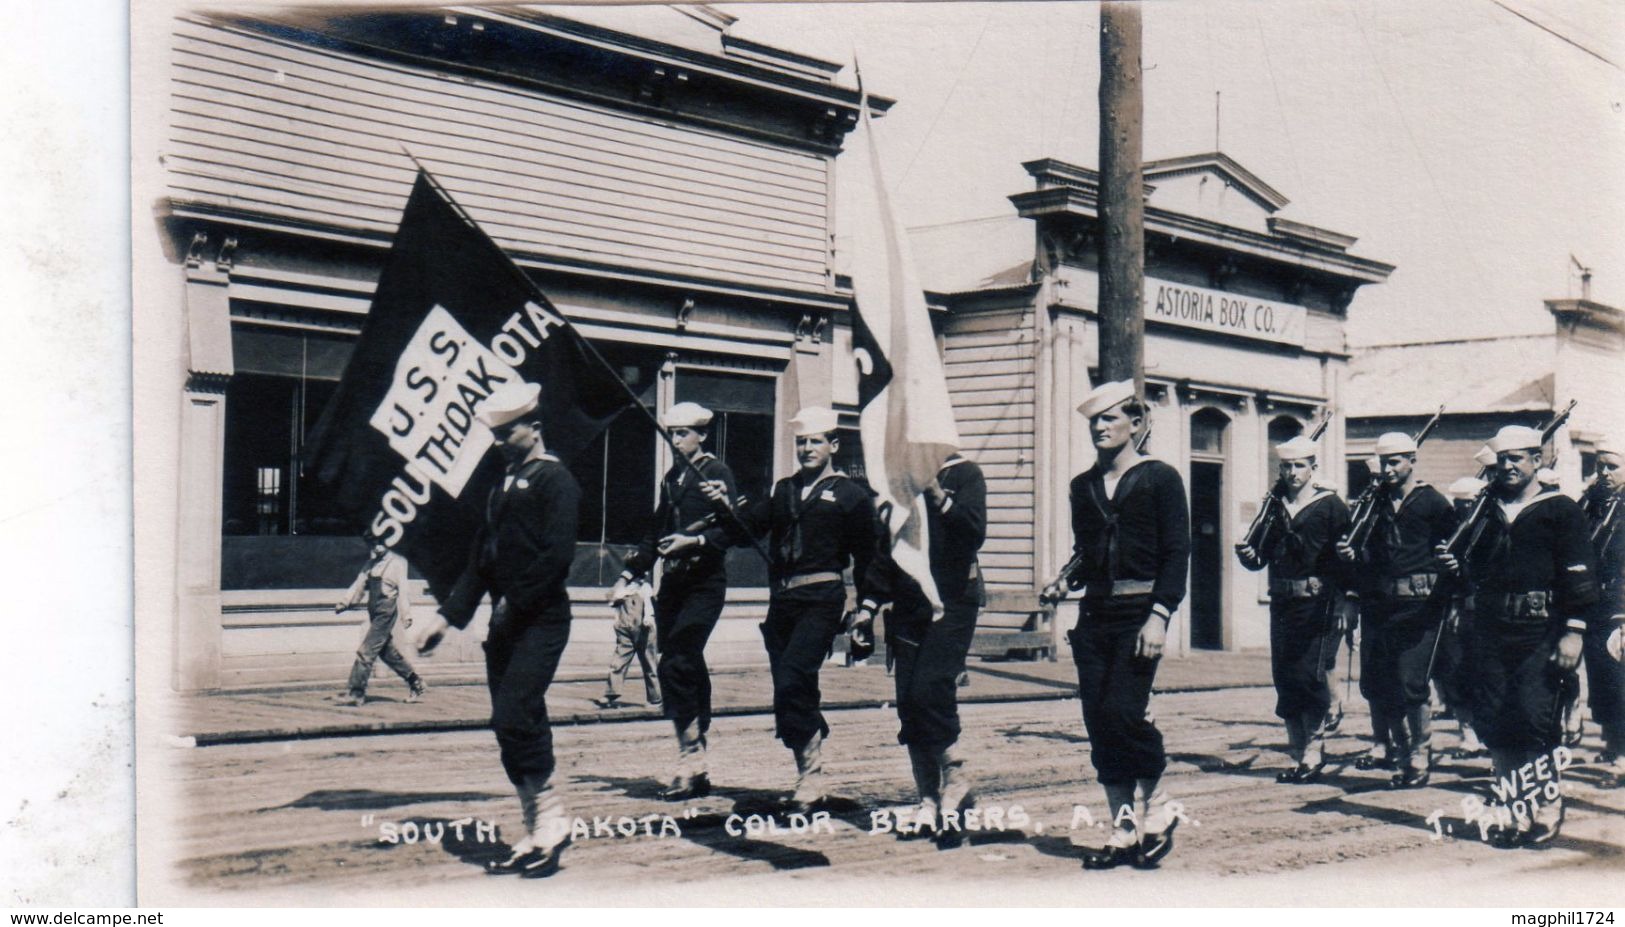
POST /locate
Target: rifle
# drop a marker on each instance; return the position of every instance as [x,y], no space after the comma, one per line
[1364,517]
[1602,533]
[1471,530]
[677,566]
[1272,510]
[1077,557]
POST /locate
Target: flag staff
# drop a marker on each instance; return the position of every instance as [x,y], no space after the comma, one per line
[541,298]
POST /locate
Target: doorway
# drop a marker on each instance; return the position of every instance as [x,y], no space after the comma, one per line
[1208,428]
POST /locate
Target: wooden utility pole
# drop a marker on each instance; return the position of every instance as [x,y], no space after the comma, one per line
[1122,201]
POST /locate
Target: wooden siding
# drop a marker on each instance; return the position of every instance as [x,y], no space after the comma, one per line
[988,358]
[289,132]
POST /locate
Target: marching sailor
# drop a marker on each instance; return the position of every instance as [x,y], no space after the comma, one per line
[522,557]
[1534,586]
[818,522]
[930,655]
[1605,674]
[687,535]
[1399,607]
[1131,553]
[1307,608]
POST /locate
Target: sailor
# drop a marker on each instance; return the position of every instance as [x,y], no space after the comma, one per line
[1131,554]
[1395,586]
[930,654]
[522,557]
[818,523]
[1605,675]
[1452,676]
[1307,607]
[1534,585]
[689,536]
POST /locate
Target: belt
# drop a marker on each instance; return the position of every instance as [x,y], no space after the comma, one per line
[1512,606]
[806,579]
[1119,588]
[1297,588]
[1415,586]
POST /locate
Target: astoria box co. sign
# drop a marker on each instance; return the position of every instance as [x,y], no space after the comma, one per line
[1226,313]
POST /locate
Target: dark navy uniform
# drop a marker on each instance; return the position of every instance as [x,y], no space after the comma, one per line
[1530,577]
[1397,595]
[522,558]
[1133,554]
[930,655]
[1605,676]
[813,533]
[692,587]
[1305,580]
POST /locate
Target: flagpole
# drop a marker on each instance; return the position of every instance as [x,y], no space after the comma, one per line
[536,294]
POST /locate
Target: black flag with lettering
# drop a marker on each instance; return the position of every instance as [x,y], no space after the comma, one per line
[453,323]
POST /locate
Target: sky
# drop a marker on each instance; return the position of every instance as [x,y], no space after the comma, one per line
[1457,140]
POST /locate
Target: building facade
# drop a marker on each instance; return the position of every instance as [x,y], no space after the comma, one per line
[1490,382]
[668,185]
[1244,348]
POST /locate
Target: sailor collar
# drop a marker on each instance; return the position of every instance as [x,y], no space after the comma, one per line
[1320,492]
[1516,510]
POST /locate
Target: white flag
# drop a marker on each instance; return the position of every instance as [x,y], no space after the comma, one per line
[905,418]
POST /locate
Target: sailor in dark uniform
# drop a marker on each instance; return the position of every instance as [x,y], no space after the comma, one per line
[1534,587]
[1131,553]
[1307,607]
[1452,675]
[689,536]
[930,654]
[818,522]
[1605,675]
[522,558]
[1400,606]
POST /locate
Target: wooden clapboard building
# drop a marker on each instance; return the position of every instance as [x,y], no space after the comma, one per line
[669,185]
[1486,383]
[1245,312]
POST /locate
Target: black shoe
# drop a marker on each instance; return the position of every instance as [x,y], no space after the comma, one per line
[1302,774]
[514,864]
[1334,720]
[1462,753]
[685,787]
[1110,857]
[607,702]
[1511,837]
[1409,779]
[545,862]
[1153,847]
[1372,761]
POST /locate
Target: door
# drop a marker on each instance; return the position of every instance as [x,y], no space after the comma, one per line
[1207,556]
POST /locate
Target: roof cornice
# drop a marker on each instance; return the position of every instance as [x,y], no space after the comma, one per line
[1293,250]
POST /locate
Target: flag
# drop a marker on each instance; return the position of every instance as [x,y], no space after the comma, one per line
[905,418]
[453,323]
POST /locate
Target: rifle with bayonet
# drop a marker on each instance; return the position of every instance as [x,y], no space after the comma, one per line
[1467,535]
[1364,515]
[1272,511]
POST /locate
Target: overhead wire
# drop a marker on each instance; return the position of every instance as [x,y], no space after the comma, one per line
[948,98]
[1433,182]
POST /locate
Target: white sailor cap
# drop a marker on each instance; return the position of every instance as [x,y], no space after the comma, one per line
[1395,442]
[1299,448]
[686,415]
[1610,445]
[814,420]
[1515,438]
[1466,488]
[1105,396]
[507,406]
[1485,457]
